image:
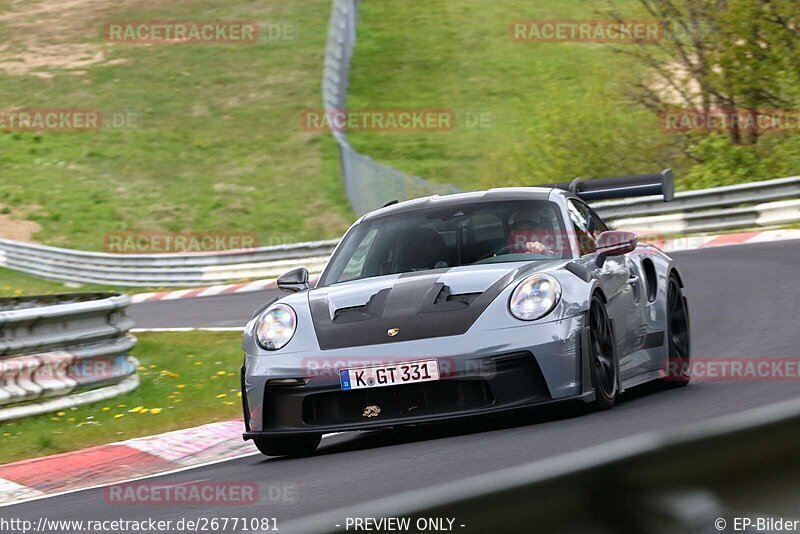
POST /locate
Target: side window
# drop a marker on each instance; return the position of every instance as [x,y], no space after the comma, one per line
[587,225]
[597,221]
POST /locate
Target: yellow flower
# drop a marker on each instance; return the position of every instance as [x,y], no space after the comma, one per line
[105,408]
[180,386]
[119,415]
[221,373]
[6,434]
[71,419]
[198,363]
[222,395]
[136,410]
[55,419]
[228,403]
[156,411]
[239,394]
[144,410]
[120,405]
[61,414]
[153,366]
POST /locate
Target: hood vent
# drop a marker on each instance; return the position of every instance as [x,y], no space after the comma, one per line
[411,306]
[373,309]
[444,301]
[438,299]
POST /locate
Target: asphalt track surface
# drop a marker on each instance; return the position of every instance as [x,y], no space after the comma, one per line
[744,302]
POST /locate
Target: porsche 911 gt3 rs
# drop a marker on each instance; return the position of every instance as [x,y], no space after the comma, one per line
[465,305]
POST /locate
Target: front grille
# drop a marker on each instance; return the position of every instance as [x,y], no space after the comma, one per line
[505,380]
[396,402]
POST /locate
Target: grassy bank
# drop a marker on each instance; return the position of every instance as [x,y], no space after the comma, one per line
[209,136]
[187,379]
[558,110]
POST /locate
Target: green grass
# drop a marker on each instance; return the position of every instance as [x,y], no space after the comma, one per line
[14,284]
[189,379]
[559,110]
[217,144]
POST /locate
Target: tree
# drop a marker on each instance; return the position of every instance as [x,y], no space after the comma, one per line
[736,56]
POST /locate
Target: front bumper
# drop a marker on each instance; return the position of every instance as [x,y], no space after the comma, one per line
[507,369]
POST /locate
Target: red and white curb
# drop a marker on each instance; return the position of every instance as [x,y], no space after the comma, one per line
[122,461]
[680,244]
[246,287]
[670,245]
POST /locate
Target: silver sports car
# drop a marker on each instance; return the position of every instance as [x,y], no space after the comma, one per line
[465,305]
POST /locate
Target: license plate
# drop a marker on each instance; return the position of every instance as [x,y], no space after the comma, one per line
[390,374]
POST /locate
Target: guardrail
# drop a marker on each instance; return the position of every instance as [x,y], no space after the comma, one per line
[161,270]
[63,350]
[696,479]
[776,203]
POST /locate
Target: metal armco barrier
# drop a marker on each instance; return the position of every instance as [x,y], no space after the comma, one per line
[672,482]
[703,199]
[772,203]
[62,351]
[161,270]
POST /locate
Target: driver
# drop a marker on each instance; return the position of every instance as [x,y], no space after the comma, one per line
[528,232]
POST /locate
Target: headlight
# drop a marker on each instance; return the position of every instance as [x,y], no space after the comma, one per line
[276,327]
[535,297]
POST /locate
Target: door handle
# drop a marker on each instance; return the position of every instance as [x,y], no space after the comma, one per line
[633,279]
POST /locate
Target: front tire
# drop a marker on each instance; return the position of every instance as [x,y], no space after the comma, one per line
[678,340]
[603,355]
[295,446]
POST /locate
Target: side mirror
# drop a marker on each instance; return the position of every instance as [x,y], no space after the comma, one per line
[615,243]
[294,281]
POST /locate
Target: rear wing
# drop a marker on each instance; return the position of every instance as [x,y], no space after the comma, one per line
[637,185]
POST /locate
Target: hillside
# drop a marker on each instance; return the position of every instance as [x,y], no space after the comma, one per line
[209,137]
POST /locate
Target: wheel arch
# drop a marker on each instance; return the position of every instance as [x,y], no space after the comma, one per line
[673,271]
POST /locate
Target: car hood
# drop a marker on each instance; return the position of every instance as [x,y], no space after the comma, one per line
[419,305]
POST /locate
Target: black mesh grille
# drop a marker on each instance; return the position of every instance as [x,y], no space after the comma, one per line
[396,401]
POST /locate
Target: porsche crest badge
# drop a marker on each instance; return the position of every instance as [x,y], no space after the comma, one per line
[371,411]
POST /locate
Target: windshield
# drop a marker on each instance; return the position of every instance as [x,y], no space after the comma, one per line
[471,234]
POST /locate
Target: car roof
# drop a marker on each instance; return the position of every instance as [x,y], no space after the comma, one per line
[460,199]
